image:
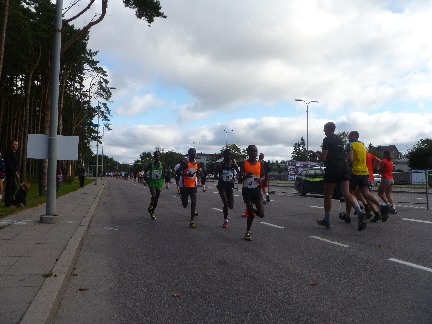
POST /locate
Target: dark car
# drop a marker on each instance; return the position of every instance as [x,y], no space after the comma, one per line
[312,181]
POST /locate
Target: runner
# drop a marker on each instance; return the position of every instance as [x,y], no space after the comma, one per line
[225,174]
[360,178]
[251,175]
[177,175]
[264,183]
[336,171]
[167,177]
[386,185]
[154,177]
[188,170]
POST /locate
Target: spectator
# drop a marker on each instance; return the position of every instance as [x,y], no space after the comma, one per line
[2,175]
[11,162]
[81,175]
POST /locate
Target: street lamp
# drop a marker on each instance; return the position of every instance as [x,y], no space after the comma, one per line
[97,144]
[307,124]
[226,135]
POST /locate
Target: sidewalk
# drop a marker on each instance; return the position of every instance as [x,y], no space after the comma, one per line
[29,250]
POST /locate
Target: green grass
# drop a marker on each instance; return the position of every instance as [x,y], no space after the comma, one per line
[33,198]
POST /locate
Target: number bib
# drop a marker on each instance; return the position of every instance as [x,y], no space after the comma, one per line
[250,183]
[156,174]
[227,175]
[191,173]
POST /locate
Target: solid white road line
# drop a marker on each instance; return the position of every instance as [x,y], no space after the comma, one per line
[411,264]
[417,220]
[328,241]
[316,207]
[218,209]
[265,223]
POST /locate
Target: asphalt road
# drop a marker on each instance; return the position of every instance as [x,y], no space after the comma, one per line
[135,270]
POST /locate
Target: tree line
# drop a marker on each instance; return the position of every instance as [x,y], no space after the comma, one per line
[26,39]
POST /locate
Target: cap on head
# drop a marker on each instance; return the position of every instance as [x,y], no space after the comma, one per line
[192,150]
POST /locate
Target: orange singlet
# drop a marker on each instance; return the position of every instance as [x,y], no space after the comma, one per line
[190,175]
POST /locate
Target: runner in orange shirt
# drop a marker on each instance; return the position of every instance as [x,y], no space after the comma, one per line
[251,175]
[188,170]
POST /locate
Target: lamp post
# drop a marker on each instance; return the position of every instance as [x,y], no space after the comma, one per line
[97,147]
[307,125]
[97,144]
[226,135]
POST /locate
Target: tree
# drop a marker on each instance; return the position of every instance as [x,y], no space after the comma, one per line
[299,152]
[420,156]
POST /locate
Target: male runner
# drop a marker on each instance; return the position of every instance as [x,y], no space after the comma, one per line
[188,170]
[225,174]
[153,175]
[251,175]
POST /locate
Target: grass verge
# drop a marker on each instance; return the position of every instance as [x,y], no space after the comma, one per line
[33,198]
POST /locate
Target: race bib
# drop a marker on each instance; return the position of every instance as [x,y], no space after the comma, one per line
[250,183]
[227,175]
[156,174]
[191,173]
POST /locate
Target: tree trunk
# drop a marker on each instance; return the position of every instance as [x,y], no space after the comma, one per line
[3,33]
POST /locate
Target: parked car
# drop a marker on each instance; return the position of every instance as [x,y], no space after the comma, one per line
[312,181]
[377,180]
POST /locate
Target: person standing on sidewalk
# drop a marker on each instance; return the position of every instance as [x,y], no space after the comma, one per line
[336,172]
[225,172]
[2,175]
[154,177]
[11,171]
[81,175]
[251,175]
[188,171]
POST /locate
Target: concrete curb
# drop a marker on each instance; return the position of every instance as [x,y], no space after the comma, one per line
[43,307]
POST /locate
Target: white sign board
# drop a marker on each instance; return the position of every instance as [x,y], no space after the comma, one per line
[67,147]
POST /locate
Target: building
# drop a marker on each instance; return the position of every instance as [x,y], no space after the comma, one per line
[378,151]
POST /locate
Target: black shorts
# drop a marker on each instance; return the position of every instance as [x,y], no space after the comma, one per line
[254,195]
[188,191]
[358,181]
[337,172]
[225,186]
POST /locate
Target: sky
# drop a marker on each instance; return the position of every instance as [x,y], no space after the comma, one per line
[217,72]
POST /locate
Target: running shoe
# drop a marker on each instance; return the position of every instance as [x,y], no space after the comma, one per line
[393,210]
[345,217]
[225,224]
[192,225]
[361,222]
[196,214]
[268,198]
[324,223]
[264,201]
[247,236]
[153,216]
[355,212]
[376,218]
[384,210]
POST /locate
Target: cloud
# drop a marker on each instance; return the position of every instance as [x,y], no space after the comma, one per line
[240,65]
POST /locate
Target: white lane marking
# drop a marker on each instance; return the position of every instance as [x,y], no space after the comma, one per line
[328,241]
[417,220]
[216,192]
[409,206]
[316,207]
[411,264]
[236,195]
[218,209]
[265,223]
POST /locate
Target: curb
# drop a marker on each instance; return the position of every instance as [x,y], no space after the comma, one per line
[44,305]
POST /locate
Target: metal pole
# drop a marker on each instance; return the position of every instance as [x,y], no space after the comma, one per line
[52,138]
[97,148]
[307,132]
[102,164]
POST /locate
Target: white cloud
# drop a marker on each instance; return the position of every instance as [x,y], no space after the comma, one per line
[242,63]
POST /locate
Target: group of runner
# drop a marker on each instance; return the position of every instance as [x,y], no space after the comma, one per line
[351,173]
[250,172]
